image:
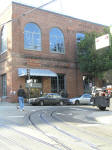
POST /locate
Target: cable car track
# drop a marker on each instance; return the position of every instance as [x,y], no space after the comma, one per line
[53,119]
[53,115]
[75,138]
[11,140]
[86,132]
[50,137]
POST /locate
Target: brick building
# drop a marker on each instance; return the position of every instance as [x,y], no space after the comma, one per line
[43,43]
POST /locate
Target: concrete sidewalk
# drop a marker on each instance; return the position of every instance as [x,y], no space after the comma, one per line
[12,104]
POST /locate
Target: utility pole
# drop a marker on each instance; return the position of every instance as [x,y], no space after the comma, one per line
[28,73]
[28,81]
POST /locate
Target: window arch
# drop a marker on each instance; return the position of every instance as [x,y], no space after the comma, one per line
[56,41]
[3,39]
[32,37]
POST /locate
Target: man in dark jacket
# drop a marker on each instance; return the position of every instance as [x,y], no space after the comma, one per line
[21,95]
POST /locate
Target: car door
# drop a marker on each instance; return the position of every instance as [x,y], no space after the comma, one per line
[50,99]
[87,99]
[83,99]
[46,99]
[55,99]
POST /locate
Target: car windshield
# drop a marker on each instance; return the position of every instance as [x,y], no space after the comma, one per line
[56,96]
[86,96]
[44,95]
[53,95]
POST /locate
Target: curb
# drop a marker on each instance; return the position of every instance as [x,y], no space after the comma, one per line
[12,104]
[104,119]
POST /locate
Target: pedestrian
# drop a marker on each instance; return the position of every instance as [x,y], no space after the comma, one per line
[109,93]
[21,95]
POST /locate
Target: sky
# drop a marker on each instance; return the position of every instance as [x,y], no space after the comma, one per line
[97,11]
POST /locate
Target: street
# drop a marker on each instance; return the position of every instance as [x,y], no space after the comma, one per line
[55,127]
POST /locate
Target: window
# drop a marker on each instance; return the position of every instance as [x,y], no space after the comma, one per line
[3,39]
[32,37]
[4,85]
[56,41]
[53,84]
[79,37]
[61,80]
[56,96]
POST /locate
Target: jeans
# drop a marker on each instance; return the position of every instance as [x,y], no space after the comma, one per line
[21,102]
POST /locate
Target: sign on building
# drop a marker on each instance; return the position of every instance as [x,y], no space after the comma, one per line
[102,41]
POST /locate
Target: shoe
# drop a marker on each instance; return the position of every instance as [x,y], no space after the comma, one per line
[17,107]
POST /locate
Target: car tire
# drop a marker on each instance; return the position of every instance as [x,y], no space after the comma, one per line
[77,102]
[33,104]
[61,103]
[41,103]
[102,108]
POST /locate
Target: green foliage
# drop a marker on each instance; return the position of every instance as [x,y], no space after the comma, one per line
[91,61]
[107,76]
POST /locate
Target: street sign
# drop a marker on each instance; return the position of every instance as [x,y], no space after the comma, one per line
[33,85]
[29,81]
[102,41]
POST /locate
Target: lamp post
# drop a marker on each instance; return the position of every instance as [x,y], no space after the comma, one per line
[28,81]
[28,73]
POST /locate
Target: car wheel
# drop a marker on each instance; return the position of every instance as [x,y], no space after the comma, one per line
[61,103]
[41,103]
[102,108]
[33,104]
[77,102]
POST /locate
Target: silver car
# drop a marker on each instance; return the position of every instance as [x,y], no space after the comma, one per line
[84,99]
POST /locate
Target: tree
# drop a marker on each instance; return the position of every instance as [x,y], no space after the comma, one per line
[92,62]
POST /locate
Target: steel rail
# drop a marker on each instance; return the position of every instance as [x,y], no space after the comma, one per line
[44,133]
[26,135]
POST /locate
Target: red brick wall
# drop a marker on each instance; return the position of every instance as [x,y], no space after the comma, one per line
[46,85]
[16,57]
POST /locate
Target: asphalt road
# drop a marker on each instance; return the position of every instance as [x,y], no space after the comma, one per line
[55,127]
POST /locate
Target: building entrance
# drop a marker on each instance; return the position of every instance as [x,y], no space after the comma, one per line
[34,86]
[35,92]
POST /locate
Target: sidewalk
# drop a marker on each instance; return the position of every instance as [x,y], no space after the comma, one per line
[12,104]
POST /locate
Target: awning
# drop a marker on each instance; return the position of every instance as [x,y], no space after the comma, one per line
[36,72]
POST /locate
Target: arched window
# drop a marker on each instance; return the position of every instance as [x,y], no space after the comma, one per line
[3,39]
[32,37]
[56,41]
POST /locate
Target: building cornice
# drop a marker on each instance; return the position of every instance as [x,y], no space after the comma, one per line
[66,16]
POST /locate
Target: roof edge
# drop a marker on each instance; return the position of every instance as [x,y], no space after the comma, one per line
[59,14]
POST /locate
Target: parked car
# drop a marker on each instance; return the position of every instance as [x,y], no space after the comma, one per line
[49,99]
[83,99]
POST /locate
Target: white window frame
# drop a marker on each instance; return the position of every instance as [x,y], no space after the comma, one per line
[57,37]
[32,38]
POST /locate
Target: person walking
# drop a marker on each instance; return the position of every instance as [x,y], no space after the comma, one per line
[21,95]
